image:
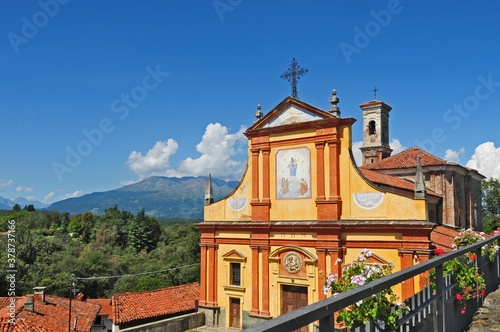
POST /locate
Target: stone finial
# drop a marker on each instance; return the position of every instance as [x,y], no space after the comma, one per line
[420,190]
[258,114]
[334,109]
[209,193]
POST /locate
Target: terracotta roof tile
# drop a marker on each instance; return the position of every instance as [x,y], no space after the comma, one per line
[408,159]
[128,307]
[49,316]
[392,181]
[373,102]
[105,304]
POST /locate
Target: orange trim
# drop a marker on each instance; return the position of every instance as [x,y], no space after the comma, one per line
[211,283]
[265,176]
[260,211]
[320,165]
[203,275]
[322,268]
[255,280]
[408,285]
[265,281]
[216,268]
[255,175]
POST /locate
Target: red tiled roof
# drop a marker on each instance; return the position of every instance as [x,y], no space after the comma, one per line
[442,237]
[49,316]
[128,307]
[105,304]
[373,102]
[408,159]
[392,181]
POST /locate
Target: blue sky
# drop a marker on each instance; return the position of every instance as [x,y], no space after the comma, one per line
[136,88]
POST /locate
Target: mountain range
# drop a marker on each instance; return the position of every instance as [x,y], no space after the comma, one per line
[7,204]
[159,196]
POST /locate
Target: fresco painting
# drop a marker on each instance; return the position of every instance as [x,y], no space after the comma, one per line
[293,173]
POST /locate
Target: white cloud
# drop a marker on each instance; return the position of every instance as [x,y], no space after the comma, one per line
[127,182]
[48,196]
[395,145]
[486,160]
[217,147]
[5,184]
[453,156]
[75,194]
[358,156]
[155,161]
[27,189]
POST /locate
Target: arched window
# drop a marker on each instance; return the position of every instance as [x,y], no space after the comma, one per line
[371,127]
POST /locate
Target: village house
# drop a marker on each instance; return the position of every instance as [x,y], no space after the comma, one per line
[45,313]
[168,309]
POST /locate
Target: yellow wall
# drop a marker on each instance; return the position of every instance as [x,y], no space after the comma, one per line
[392,207]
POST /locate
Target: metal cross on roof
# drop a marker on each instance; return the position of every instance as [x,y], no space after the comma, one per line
[375,92]
[293,74]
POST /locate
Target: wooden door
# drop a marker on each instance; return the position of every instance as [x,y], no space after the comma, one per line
[234,319]
[294,297]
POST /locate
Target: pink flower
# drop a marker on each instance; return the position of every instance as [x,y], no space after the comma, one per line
[463,310]
[358,279]
[459,297]
[467,289]
[483,292]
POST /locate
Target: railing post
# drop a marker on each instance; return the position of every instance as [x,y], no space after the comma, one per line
[479,257]
[440,300]
[327,324]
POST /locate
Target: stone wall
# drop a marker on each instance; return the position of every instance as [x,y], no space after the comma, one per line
[174,324]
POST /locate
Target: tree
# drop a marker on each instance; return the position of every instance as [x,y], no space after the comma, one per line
[29,208]
[491,204]
[75,227]
[16,207]
[144,232]
[87,222]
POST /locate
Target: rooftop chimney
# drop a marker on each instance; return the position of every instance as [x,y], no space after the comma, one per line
[30,304]
[40,291]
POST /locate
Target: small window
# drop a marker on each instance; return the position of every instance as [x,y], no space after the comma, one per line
[371,127]
[236,274]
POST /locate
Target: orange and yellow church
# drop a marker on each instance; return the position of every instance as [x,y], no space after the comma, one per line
[302,204]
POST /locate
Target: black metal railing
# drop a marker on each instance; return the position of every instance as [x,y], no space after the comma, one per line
[323,311]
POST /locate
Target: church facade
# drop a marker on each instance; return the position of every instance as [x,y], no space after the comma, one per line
[302,205]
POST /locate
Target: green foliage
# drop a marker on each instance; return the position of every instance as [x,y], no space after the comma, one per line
[375,308]
[491,204]
[29,208]
[16,207]
[100,246]
[87,223]
[75,227]
[464,272]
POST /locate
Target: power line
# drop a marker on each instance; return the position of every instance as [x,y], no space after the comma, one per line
[137,274]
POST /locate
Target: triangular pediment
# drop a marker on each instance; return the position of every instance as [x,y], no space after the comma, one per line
[289,112]
[234,254]
[376,259]
[292,114]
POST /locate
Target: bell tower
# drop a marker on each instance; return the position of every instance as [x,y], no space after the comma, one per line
[375,132]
